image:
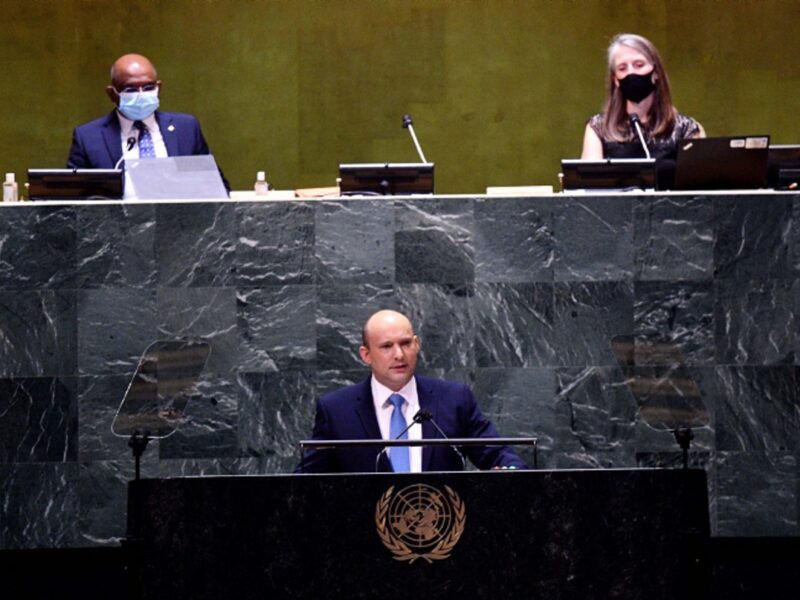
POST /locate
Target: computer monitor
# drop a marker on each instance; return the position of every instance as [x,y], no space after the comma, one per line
[722,163]
[783,167]
[608,174]
[386,179]
[75,184]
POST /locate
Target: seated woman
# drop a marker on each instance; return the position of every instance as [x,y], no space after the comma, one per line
[637,85]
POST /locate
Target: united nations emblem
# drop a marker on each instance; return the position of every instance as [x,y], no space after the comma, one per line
[420,521]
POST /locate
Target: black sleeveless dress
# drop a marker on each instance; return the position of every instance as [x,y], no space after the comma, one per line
[664,148]
[660,147]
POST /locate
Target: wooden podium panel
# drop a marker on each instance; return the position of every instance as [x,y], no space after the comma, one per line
[498,534]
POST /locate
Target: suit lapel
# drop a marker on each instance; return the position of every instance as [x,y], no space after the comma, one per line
[365,410]
[168,133]
[111,137]
[427,400]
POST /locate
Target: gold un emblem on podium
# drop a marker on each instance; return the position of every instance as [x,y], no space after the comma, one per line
[420,521]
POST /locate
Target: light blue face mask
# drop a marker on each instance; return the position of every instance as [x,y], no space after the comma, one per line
[137,106]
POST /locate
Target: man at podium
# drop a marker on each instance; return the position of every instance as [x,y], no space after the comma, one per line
[384,406]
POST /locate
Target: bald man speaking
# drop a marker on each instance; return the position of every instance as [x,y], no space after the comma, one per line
[136,128]
[383,405]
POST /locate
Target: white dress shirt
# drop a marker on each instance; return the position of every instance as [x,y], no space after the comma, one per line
[127,131]
[384,408]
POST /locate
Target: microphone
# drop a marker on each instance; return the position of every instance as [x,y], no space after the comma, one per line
[417,418]
[131,141]
[637,125]
[425,415]
[408,124]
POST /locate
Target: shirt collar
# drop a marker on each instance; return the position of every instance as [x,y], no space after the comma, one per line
[381,393]
[126,124]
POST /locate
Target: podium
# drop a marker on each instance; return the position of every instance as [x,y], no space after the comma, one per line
[627,533]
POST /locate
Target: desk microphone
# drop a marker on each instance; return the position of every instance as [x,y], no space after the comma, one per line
[131,143]
[418,418]
[409,124]
[425,415]
[637,125]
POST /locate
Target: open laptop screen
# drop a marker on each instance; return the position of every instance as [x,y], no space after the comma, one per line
[176,177]
[722,163]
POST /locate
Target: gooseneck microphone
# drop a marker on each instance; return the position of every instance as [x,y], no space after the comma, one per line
[417,418]
[425,415]
[409,124]
[131,142]
[637,125]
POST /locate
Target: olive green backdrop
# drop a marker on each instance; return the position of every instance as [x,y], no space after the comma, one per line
[499,90]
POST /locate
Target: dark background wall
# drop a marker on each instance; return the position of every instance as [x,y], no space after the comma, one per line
[499,90]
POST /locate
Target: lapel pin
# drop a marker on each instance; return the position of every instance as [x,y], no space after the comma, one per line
[171,128]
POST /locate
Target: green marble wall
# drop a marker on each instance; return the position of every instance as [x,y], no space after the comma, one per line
[499,89]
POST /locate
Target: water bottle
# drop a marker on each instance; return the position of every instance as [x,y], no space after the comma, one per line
[10,190]
[261,187]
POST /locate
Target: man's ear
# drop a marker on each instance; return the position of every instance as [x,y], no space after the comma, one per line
[364,353]
[112,94]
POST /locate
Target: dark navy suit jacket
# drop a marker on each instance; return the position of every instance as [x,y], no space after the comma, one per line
[349,413]
[97,145]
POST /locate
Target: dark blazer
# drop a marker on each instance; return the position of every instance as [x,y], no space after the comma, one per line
[96,144]
[349,413]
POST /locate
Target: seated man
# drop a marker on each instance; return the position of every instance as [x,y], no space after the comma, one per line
[136,129]
[368,411]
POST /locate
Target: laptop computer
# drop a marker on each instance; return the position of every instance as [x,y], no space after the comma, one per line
[175,178]
[722,163]
[609,174]
[75,184]
[783,167]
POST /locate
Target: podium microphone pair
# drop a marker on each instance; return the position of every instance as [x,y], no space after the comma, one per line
[423,414]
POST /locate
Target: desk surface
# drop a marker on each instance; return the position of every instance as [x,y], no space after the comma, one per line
[504,192]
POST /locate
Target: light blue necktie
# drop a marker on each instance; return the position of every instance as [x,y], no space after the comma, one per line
[146,148]
[398,454]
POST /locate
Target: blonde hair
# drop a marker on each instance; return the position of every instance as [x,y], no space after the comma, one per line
[616,123]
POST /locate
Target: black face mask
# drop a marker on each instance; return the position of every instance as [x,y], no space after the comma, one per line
[637,87]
